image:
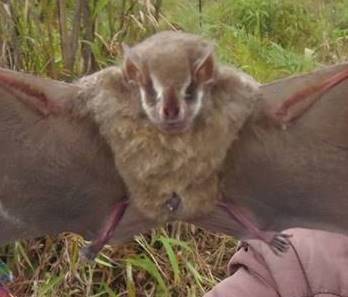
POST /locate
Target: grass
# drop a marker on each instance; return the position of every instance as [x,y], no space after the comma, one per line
[268,39]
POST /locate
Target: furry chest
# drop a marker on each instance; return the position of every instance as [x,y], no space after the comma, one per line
[155,167]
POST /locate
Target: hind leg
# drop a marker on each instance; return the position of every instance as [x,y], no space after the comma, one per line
[278,242]
[91,251]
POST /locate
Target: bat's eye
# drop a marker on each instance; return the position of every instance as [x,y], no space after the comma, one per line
[190,92]
[151,90]
[151,93]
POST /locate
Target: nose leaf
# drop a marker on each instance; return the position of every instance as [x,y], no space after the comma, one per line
[171,112]
[171,107]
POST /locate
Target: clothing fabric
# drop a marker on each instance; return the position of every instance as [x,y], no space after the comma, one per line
[316,264]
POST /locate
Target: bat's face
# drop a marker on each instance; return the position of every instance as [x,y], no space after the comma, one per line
[172,86]
[171,106]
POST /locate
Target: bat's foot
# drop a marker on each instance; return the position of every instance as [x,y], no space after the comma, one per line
[279,243]
[90,252]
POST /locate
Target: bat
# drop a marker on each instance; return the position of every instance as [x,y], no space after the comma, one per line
[83,192]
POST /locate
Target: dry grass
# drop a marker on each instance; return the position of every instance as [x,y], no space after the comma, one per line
[179,260]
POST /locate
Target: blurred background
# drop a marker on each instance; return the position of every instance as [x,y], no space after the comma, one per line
[65,39]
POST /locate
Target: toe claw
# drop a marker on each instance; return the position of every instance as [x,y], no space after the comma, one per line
[87,254]
[280,243]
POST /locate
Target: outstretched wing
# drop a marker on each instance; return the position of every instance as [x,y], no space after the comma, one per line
[293,177]
[57,173]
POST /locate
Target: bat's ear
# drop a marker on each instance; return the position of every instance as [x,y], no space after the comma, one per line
[45,95]
[132,70]
[287,99]
[204,71]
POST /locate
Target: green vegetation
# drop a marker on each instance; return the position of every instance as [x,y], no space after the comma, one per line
[64,39]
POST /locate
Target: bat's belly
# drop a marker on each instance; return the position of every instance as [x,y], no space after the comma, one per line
[169,200]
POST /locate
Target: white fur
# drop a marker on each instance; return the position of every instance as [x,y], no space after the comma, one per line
[159,95]
[157,86]
[199,100]
[198,104]
[143,102]
[185,86]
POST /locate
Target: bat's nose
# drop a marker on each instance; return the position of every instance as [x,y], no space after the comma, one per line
[171,105]
[171,112]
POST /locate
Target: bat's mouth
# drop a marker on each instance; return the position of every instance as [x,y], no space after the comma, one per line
[174,128]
